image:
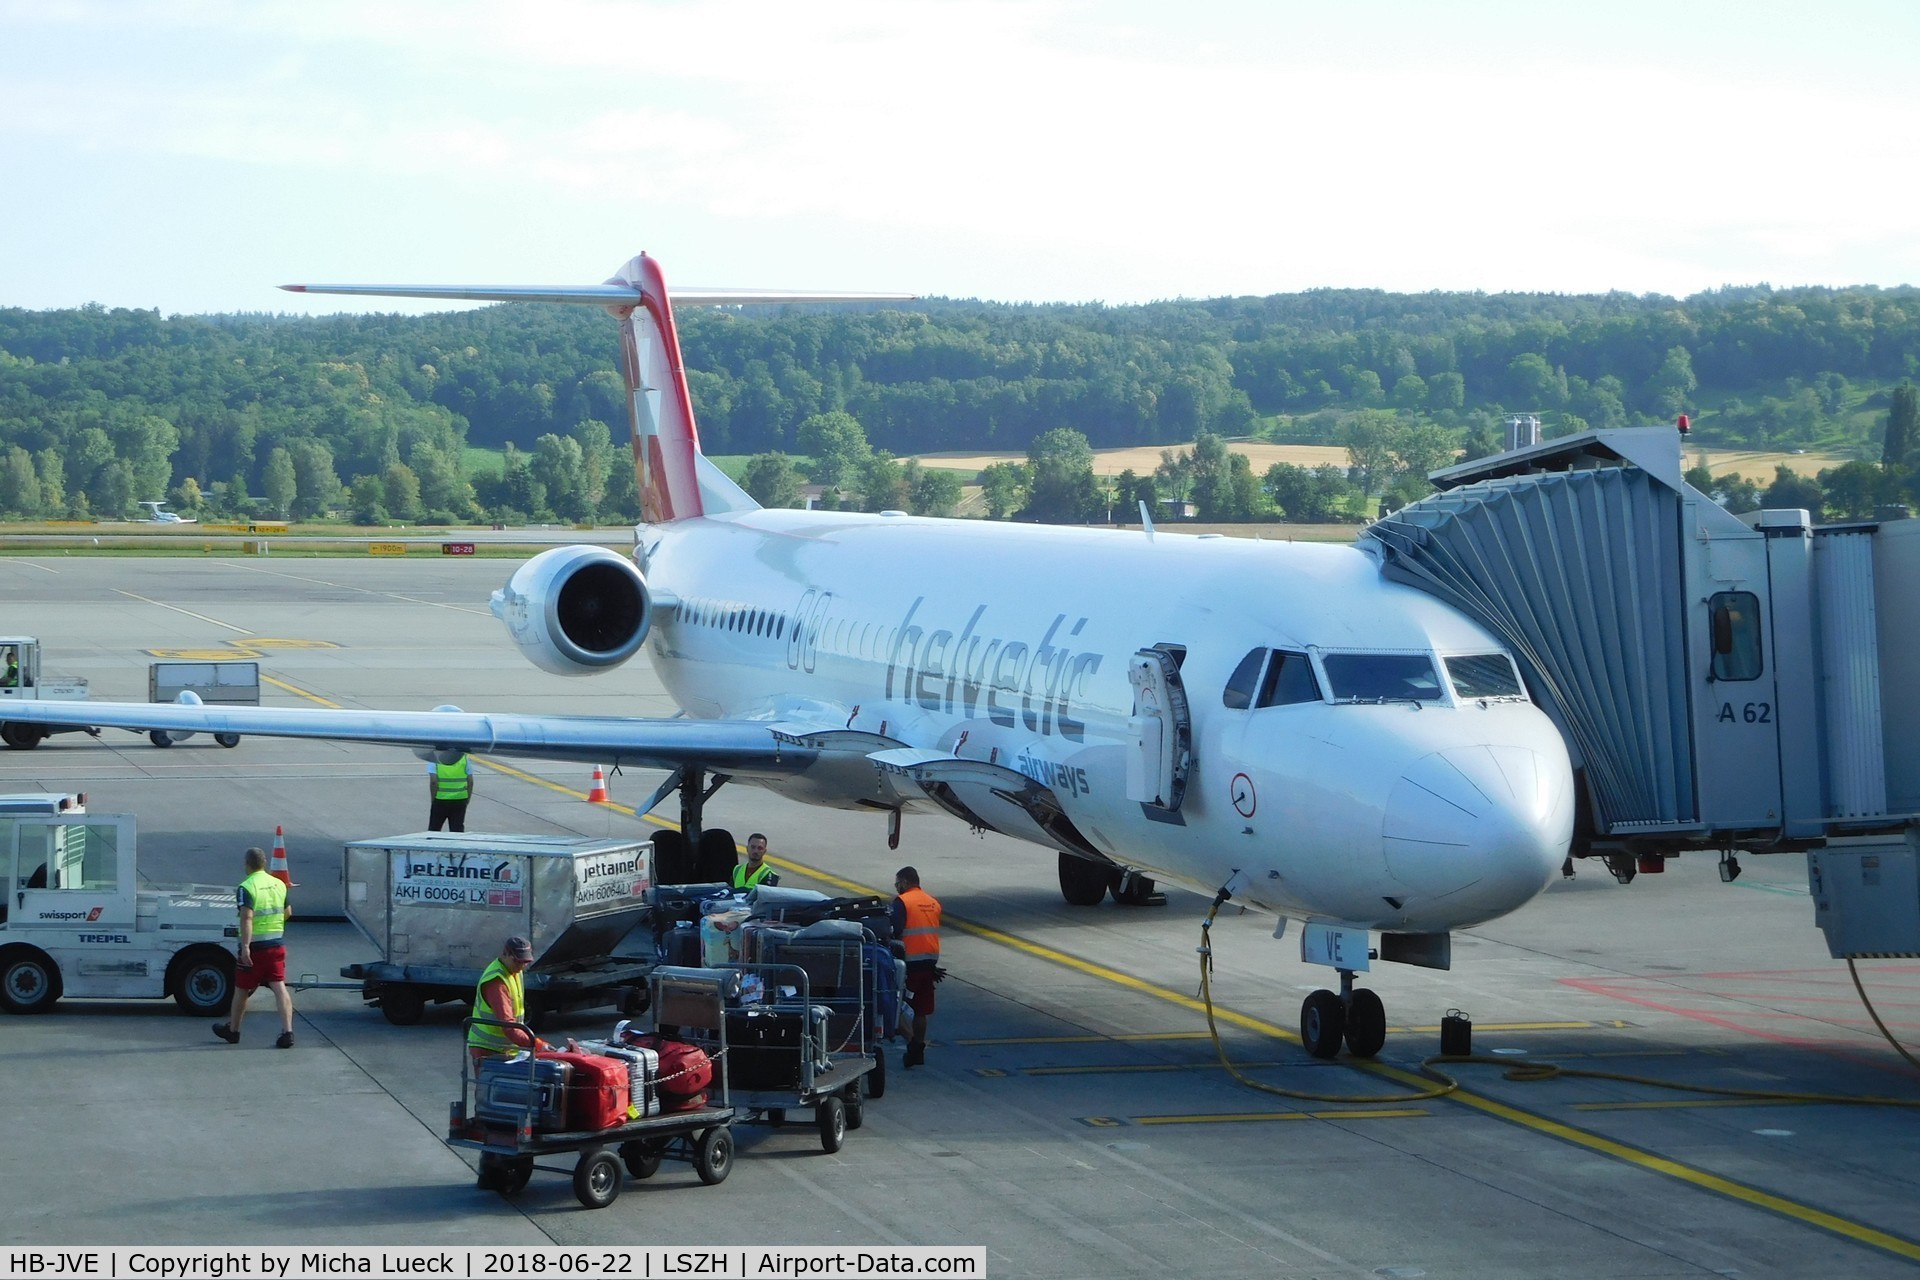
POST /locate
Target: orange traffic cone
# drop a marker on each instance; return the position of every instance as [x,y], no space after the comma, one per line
[277,865]
[598,795]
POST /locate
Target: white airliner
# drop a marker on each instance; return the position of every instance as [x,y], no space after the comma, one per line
[157,514]
[1268,720]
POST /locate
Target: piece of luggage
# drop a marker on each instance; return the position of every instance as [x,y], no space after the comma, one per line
[682,946]
[760,939]
[504,1087]
[685,1069]
[599,1092]
[767,1045]
[643,1074]
[868,910]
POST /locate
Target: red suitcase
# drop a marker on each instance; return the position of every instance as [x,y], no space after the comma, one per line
[599,1094]
[685,1069]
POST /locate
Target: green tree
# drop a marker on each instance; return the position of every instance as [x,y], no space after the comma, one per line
[316,484]
[1790,489]
[52,471]
[838,446]
[1853,491]
[1667,390]
[883,485]
[1903,425]
[1063,489]
[19,484]
[278,484]
[400,492]
[1004,486]
[1369,438]
[559,466]
[186,496]
[772,480]
[367,495]
[934,492]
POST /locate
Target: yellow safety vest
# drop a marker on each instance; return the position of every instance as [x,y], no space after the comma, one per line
[921,937]
[745,879]
[484,1036]
[269,899]
[453,781]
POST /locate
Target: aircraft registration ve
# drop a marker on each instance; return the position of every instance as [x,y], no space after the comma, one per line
[1271,722]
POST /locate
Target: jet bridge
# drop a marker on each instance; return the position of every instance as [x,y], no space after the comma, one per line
[1722,683]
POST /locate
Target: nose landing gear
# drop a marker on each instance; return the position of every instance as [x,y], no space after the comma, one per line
[1355,1016]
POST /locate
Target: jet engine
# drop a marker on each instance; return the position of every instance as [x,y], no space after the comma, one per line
[575,611]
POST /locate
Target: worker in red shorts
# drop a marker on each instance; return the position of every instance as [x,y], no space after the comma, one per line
[916,922]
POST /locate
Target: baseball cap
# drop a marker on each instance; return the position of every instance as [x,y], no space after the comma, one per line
[519,947]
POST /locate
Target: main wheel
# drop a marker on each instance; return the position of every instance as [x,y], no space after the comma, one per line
[877,1078]
[402,1006]
[159,738]
[201,981]
[831,1116]
[1323,1020]
[29,981]
[672,859]
[20,737]
[515,1173]
[227,739]
[643,1158]
[714,857]
[1083,882]
[713,1156]
[1366,1024]
[596,1179]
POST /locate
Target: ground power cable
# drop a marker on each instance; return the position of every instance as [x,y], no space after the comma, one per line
[1519,1072]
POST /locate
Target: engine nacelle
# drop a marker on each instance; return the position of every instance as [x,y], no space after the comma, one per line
[575,611]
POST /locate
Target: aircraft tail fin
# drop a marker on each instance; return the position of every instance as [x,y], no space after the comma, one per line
[675,482]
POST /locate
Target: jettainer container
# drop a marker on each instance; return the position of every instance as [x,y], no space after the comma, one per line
[439,905]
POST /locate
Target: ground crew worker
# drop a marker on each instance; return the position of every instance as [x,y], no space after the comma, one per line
[916,922]
[755,872]
[501,996]
[450,786]
[10,678]
[262,958]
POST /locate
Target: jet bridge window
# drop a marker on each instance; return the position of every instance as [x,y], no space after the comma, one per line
[1735,619]
[1271,678]
[1381,677]
[1484,675]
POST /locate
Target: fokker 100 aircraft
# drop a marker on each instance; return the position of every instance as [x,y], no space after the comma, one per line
[1270,721]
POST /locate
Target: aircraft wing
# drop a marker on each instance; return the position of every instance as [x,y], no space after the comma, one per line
[740,747]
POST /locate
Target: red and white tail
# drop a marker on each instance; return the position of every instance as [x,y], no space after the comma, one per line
[675,483]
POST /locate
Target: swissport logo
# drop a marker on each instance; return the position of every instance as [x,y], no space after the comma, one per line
[88,916]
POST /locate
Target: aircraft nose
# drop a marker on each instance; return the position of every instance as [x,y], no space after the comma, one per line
[1485,827]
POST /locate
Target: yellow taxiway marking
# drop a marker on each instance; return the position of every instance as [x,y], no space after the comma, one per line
[1242,1117]
[1150,1036]
[177,609]
[1700,1178]
[298,692]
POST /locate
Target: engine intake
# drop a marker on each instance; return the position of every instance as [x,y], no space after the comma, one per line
[576,610]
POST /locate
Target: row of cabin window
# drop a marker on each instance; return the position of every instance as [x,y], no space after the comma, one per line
[757,622]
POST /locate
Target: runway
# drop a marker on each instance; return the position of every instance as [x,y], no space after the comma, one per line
[1072,1118]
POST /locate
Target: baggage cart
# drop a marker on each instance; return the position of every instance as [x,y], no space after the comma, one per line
[439,904]
[693,1001]
[789,1049]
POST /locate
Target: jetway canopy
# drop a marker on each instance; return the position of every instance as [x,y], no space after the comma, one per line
[1721,684]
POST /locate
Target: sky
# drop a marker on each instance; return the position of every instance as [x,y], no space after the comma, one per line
[190,155]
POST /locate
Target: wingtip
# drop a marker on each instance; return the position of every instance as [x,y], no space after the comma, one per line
[294,288]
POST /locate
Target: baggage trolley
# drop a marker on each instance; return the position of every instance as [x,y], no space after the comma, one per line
[695,1000]
[782,1054]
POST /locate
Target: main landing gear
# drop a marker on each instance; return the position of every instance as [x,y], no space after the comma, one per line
[1353,1015]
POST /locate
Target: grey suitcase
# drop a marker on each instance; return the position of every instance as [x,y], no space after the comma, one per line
[643,1073]
[504,1088]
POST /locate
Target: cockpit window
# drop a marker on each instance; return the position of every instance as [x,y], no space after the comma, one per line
[1484,675]
[1271,678]
[1382,677]
[1238,695]
[1289,679]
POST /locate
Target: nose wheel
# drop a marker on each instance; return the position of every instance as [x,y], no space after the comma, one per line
[1356,1017]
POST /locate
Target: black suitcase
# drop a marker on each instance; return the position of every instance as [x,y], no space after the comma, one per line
[763,1049]
[869,910]
[681,947]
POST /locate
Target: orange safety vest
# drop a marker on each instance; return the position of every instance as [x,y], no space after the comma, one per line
[921,937]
